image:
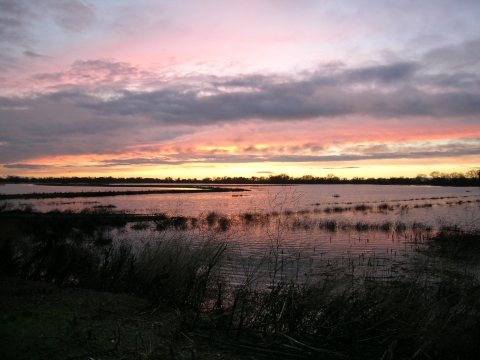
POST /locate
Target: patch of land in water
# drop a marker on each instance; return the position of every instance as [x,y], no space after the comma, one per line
[195,189]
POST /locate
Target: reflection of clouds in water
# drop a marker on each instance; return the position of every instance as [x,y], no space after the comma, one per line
[281,198]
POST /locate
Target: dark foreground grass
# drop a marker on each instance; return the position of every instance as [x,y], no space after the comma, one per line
[428,309]
[42,320]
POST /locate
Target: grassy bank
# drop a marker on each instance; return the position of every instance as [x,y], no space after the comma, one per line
[427,309]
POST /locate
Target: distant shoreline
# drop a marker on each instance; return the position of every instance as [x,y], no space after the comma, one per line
[470,178]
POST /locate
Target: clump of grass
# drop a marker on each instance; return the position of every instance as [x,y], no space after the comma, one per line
[421,226]
[421,206]
[174,271]
[330,225]
[164,222]
[362,207]
[179,222]
[361,226]
[454,242]
[248,217]
[140,226]
[224,223]
[400,226]
[384,207]
[386,226]
[303,212]
[211,218]
[404,209]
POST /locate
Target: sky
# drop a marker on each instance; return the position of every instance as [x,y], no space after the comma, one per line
[194,89]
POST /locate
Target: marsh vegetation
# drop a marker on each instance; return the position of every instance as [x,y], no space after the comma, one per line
[418,297]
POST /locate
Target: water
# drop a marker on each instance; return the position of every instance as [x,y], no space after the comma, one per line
[257,198]
[293,240]
[428,205]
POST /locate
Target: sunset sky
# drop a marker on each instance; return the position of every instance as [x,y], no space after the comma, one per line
[191,88]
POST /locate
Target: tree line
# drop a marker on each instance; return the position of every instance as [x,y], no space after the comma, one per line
[469,178]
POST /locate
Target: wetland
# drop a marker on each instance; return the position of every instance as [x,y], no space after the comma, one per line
[309,271]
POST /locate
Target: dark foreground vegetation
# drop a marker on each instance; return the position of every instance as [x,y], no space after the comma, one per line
[181,303]
[469,178]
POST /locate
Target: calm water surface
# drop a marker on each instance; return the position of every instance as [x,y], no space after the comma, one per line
[301,247]
[258,198]
[312,199]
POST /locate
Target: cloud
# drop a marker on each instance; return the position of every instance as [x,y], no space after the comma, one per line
[399,89]
[340,168]
[466,81]
[14,17]
[72,15]
[33,55]
[91,72]
[287,101]
[87,108]
[18,18]
[25,166]
[348,154]
[457,57]
[383,74]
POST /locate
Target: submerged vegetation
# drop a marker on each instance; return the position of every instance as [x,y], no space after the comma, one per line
[425,306]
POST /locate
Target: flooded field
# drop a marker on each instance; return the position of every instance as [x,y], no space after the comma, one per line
[257,198]
[299,227]
[309,263]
